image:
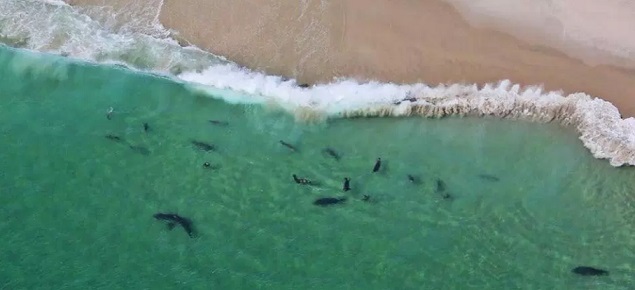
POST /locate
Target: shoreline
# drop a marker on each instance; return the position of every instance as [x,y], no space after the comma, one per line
[387,43]
[598,122]
[426,41]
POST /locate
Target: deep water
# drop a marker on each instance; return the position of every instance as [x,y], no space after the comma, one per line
[527,202]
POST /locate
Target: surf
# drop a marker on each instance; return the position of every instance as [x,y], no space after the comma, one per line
[146,46]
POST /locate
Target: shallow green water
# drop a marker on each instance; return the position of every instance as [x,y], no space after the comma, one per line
[77,208]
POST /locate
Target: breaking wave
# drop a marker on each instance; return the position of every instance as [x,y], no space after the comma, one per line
[99,35]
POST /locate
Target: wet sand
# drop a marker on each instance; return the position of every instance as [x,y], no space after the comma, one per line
[395,41]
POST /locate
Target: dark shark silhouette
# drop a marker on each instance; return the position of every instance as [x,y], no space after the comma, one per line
[174,219]
[377,165]
[219,122]
[347,184]
[589,271]
[291,147]
[203,145]
[331,152]
[326,201]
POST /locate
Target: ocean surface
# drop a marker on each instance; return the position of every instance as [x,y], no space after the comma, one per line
[458,203]
[527,202]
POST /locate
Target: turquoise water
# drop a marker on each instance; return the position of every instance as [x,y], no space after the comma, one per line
[528,203]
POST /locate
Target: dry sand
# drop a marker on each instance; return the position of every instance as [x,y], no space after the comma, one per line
[397,41]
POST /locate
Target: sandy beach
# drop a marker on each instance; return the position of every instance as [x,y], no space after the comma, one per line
[394,41]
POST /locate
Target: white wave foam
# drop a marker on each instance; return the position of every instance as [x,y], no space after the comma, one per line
[45,27]
[62,29]
[55,2]
[599,123]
